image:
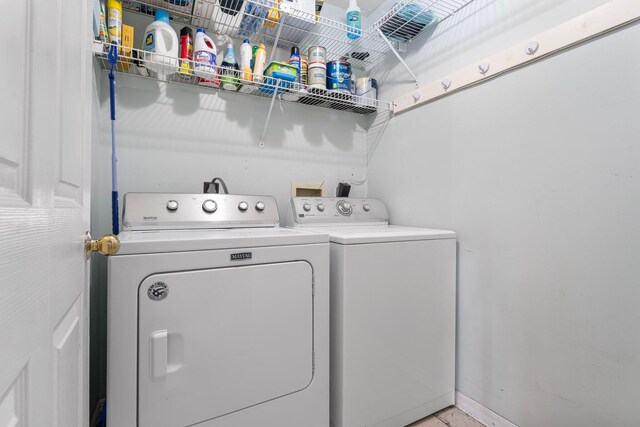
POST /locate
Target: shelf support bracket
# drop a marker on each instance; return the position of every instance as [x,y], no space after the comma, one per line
[266,123]
[276,40]
[395,52]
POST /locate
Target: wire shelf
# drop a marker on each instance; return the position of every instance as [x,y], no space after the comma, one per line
[249,19]
[408,19]
[139,63]
[294,27]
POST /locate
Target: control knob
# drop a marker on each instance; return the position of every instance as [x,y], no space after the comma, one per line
[260,206]
[209,206]
[243,206]
[172,205]
[366,208]
[320,207]
[306,207]
[344,207]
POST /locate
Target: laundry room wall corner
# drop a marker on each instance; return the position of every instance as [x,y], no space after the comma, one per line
[536,171]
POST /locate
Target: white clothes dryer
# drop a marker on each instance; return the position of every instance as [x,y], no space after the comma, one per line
[393,308]
[217,317]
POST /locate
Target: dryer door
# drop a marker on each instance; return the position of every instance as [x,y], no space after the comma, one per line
[217,341]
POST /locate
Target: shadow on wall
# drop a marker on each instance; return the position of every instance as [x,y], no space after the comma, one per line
[160,115]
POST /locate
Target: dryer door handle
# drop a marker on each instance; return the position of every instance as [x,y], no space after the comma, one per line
[159,342]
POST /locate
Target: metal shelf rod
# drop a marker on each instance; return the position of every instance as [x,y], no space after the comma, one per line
[395,52]
[275,42]
[266,123]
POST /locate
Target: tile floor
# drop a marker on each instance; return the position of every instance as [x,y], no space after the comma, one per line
[449,417]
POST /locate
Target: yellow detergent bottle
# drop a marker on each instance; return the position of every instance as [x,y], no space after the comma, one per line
[273,15]
[114,21]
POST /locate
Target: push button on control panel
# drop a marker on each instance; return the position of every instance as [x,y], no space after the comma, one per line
[172,205]
[209,206]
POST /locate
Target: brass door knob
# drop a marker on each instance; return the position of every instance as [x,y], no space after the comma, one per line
[108,244]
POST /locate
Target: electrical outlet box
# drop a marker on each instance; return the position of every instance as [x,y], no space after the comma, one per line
[307,189]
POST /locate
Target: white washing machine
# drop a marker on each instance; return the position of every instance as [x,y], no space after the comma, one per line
[217,317]
[393,305]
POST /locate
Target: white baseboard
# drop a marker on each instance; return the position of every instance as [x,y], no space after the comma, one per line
[481,413]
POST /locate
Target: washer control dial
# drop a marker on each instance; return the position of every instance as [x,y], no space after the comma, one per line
[366,208]
[344,207]
[243,206]
[306,207]
[260,206]
[209,206]
[320,207]
[172,205]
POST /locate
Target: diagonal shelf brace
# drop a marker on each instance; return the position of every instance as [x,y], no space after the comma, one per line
[276,40]
[395,52]
[266,123]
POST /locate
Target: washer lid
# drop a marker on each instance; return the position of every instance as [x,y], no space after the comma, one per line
[348,235]
[157,241]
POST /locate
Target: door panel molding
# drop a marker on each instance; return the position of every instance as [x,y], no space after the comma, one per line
[72,82]
[14,125]
[13,411]
[68,368]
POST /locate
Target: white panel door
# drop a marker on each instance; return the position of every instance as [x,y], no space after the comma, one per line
[221,340]
[45,136]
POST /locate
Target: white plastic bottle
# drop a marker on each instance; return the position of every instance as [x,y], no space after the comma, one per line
[260,62]
[161,46]
[246,52]
[204,55]
[354,20]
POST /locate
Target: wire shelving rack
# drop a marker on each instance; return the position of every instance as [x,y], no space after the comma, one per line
[139,63]
[405,21]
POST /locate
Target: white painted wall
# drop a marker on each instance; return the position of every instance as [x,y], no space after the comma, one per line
[538,173]
[172,138]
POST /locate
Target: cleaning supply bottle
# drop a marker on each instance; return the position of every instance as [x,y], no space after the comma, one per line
[354,20]
[254,49]
[186,51]
[204,55]
[273,15]
[245,59]
[103,31]
[260,62]
[161,46]
[114,21]
[294,60]
[229,70]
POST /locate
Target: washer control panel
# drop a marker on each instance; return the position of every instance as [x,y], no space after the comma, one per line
[335,210]
[149,211]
